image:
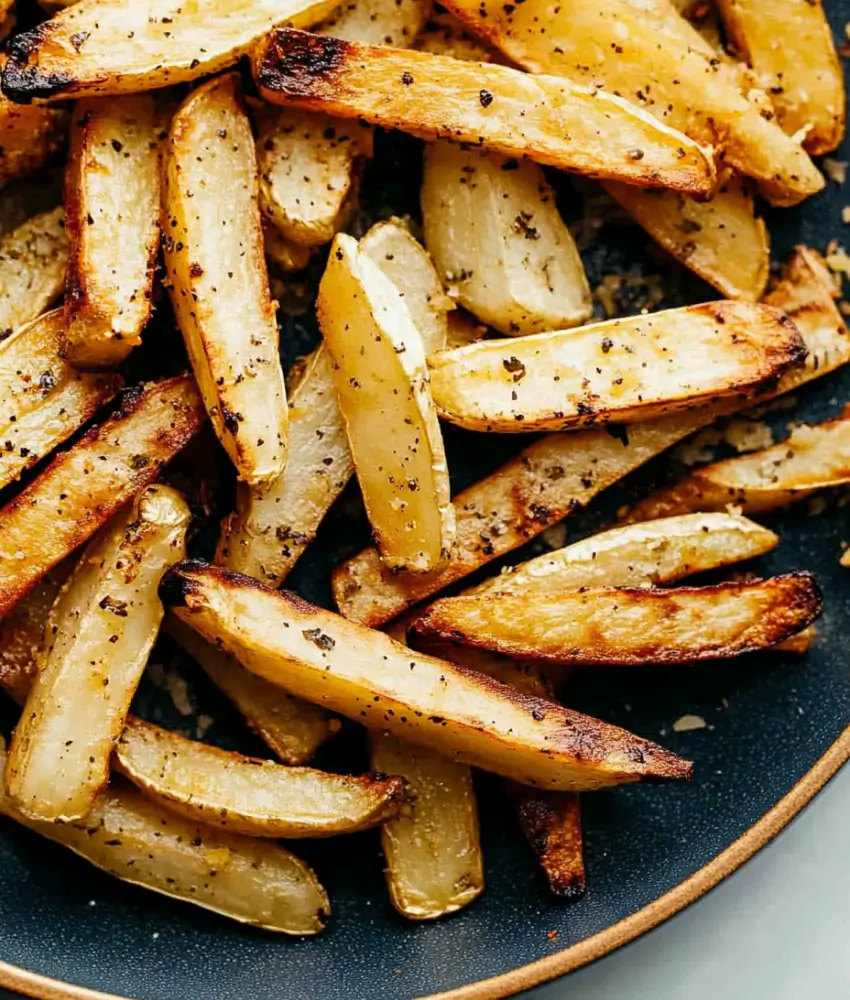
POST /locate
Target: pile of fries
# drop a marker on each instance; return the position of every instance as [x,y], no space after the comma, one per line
[191,173]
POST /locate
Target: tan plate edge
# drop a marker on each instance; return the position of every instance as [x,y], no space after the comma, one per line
[42,988]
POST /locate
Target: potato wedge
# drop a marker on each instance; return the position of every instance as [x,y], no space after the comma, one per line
[789,45]
[432,848]
[500,244]
[112,194]
[248,880]
[292,728]
[381,381]
[722,240]
[100,632]
[644,51]
[382,684]
[377,22]
[32,269]
[622,370]
[551,822]
[800,643]
[218,281]
[96,48]
[84,486]
[548,119]
[628,626]
[443,35]
[29,136]
[463,329]
[288,257]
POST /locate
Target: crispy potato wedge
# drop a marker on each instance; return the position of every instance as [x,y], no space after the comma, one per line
[100,47]
[548,119]
[382,684]
[644,51]
[256,797]
[527,678]
[248,880]
[32,268]
[722,240]
[628,626]
[293,729]
[622,370]
[112,193]
[463,329]
[100,632]
[500,244]
[377,22]
[432,847]
[551,822]
[800,643]
[85,485]
[288,257]
[29,136]
[381,381]
[789,45]
[218,281]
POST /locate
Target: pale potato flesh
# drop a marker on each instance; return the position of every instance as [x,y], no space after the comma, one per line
[29,135]
[32,268]
[377,22]
[500,244]
[383,685]
[548,119]
[112,207]
[100,632]
[381,381]
[218,280]
[249,880]
[622,370]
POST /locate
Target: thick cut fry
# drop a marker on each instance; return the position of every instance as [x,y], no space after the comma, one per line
[432,848]
[100,47]
[381,382]
[292,728]
[112,204]
[721,240]
[32,269]
[644,51]
[218,281]
[551,822]
[627,626]
[248,880]
[622,370]
[256,797]
[84,486]
[789,45]
[377,22]
[548,119]
[29,136]
[500,244]
[100,633]
[369,677]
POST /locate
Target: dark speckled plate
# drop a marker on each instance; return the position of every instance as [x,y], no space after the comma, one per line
[773,738]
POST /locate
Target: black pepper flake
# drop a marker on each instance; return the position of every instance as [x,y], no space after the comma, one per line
[406,78]
[485,97]
[118,608]
[515,367]
[319,638]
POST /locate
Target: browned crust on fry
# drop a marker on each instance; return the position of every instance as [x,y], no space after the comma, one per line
[295,62]
[551,822]
[23,81]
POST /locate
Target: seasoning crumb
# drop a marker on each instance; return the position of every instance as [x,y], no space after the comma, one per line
[556,536]
[155,935]
[689,723]
[552,935]
[748,435]
[835,170]
[845,214]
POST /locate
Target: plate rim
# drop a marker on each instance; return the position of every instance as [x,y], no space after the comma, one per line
[39,987]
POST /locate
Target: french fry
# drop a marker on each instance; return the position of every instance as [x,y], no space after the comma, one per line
[100,633]
[248,880]
[95,48]
[377,22]
[381,380]
[32,269]
[493,106]
[30,136]
[218,281]
[366,675]
[622,370]
[646,52]
[551,822]
[463,330]
[289,257]
[501,247]
[627,626]
[443,35]
[112,194]
[85,485]
[790,48]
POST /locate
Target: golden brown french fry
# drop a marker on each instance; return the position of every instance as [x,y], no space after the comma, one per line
[722,239]
[366,675]
[646,52]
[377,22]
[551,822]
[100,632]
[32,269]
[248,880]
[789,45]
[623,370]
[381,381]
[500,244]
[112,199]
[30,136]
[100,47]
[218,281]
[548,119]
[628,626]
[800,643]
[85,485]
